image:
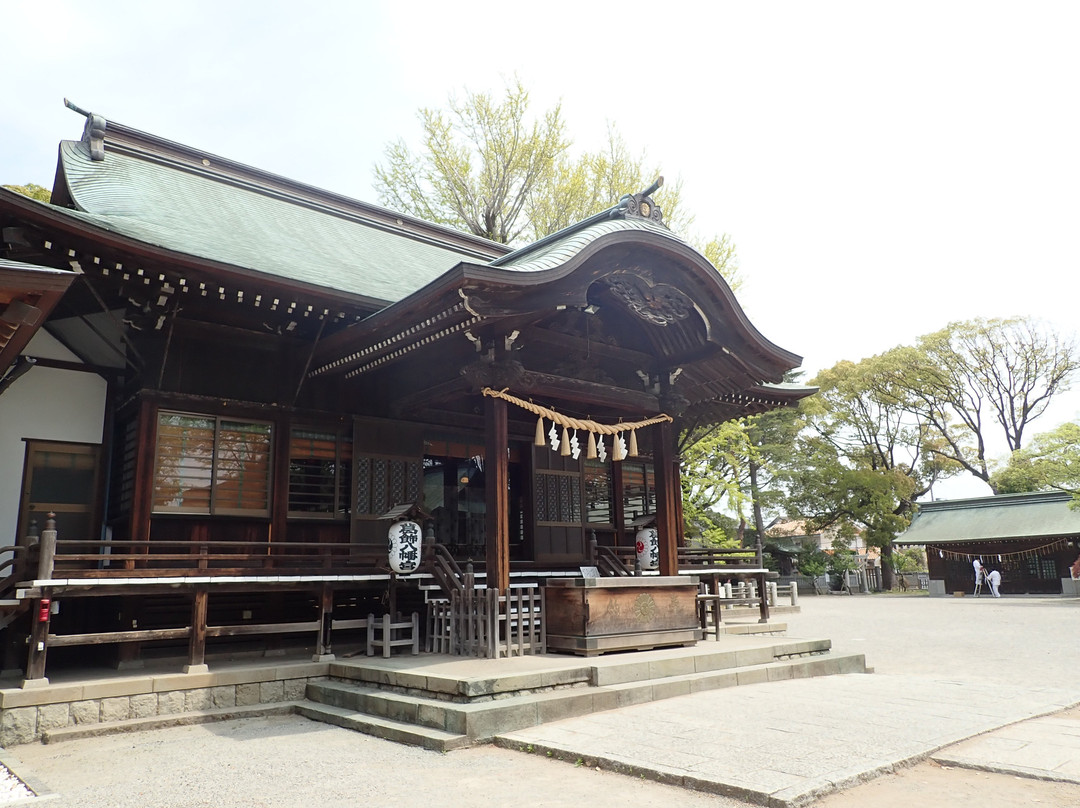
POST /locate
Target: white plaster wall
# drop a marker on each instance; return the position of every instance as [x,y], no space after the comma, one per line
[47,404]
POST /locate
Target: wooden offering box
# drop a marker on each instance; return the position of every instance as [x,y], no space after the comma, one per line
[590,616]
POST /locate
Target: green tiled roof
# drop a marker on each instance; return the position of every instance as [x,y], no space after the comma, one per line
[1007,516]
[199,214]
[548,254]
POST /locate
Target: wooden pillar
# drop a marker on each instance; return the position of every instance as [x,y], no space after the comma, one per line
[47,549]
[129,654]
[41,610]
[142,496]
[497,496]
[197,641]
[667,495]
[323,650]
[39,636]
[278,528]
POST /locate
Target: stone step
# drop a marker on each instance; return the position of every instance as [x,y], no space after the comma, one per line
[161,721]
[752,628]
[461,688]
[639,670]
[479,721]
[797,668]
[594,671]
[386,728]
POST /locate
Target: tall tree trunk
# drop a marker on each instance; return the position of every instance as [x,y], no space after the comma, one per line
[888,574]
[759,525]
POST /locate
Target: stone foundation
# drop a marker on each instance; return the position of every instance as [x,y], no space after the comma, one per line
[26,714]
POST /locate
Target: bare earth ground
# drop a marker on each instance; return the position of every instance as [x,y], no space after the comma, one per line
[930,783]
[289,761]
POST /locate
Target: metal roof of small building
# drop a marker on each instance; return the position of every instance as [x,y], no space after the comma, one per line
[1001,517]
[218,218]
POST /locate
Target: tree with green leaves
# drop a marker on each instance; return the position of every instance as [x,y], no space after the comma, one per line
[594,181]
[1050,462]
[737,465]
[842,561]
[813,563]
[482,162]
[486,166]
[712,467]
[31,190]
[863,458]
[969,377]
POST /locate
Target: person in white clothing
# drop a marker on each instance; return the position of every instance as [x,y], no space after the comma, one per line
[978,575]
[995,581]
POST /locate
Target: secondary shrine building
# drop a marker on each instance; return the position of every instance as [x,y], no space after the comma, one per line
[220,382]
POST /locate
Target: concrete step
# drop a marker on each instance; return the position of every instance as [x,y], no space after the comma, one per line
[610,669]
[481,720]
[386,728]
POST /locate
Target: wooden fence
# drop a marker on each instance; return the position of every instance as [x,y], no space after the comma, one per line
[483,623]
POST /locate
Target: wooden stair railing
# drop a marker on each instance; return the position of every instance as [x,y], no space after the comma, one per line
[607,560]
[445,570]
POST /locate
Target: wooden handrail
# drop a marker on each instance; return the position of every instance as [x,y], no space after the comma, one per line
[446,570]
[609,562]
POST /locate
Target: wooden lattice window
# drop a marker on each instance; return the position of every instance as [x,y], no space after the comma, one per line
[211,465]
[558,497]
[320,470]
[382,483]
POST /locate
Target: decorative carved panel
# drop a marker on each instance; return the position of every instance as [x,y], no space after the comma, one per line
[660,304]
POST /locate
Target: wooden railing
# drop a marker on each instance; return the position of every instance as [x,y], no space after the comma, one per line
[721,560]
[612,561]
[168,558]
[716,564]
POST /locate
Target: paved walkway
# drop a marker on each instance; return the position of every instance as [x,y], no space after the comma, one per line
[979,665]
[1042,748]
[954,676]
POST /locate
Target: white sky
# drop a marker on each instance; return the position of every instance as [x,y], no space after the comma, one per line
[884,168]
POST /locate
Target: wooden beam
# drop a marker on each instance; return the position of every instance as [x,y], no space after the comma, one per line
[569,342]
[105,637]
[428,397]
[548,386]
[497,480]
[251,629]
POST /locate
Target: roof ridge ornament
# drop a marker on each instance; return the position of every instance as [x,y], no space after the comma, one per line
[93,133]
[640,206]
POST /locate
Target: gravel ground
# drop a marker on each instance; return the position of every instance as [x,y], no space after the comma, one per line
[291,762]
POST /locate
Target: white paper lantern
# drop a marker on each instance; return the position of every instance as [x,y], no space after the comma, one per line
[404,546]
[648,548]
